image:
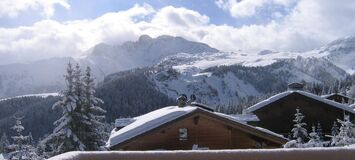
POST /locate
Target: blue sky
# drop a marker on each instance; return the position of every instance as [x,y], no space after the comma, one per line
[36,29]
[91,9]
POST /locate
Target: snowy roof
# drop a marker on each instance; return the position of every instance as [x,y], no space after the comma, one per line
[242,117]
[307,94]
[154,119]
[122,122]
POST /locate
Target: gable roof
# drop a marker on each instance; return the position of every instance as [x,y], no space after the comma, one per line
[157,118]
[306,94]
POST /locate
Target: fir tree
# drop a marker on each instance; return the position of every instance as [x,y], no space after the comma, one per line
[65,135]
[314,139]
[4,143]
[345,135]
[95,135]
[299,133]
[19,145]
[335,129]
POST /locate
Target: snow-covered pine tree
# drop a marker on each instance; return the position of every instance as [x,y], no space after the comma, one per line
[65,135]
[20,141]
[4,142]
[345,135]
[299,133]
[319,131]
[95,135]
[335,129]
[314,139]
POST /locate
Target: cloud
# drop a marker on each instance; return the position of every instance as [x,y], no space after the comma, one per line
[12,8]
[308,25]
[247,8]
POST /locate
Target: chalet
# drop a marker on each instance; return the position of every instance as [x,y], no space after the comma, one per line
[277,112]
[340,98]
[190,126]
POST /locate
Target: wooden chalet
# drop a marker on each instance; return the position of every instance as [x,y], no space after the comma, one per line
[190,127]
[277,112]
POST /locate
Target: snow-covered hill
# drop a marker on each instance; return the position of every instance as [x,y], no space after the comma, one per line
[226,78]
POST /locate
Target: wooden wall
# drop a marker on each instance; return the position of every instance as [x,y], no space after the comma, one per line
[202,130]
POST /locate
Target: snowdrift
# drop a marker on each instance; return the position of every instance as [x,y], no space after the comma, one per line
[344,153]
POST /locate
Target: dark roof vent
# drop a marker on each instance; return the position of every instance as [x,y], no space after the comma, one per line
[182,100]
[295,86]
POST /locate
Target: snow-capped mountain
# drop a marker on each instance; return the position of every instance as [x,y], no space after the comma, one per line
[47,75]
[342,53]
[221,79]
[145,52]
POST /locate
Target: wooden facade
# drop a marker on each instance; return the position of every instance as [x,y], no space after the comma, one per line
[205,129]
[278,116]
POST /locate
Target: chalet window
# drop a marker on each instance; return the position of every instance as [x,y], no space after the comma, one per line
[183,134]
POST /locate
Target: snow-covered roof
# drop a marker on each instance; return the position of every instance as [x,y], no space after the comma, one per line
[307,94]
[122,122]
[154,119]
[242,117]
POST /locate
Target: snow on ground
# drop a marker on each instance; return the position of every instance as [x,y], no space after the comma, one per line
[331,153]
[43,95]
[2,157]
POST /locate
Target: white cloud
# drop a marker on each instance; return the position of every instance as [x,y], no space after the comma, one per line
[12,8]
[247,8]
[309,25]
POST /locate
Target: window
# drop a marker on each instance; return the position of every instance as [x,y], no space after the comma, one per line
[183,134]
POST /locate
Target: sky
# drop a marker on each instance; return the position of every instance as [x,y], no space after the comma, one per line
[37,29]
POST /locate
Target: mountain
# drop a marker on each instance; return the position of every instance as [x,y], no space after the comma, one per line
[47,75]
[38,77]
[145,52]
[342,53]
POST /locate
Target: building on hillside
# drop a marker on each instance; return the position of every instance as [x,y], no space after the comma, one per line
[190,126]
[277,112]
[340,98]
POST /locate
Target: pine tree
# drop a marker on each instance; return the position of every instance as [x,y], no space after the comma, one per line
[20,141]
[95,135]
[4,143]
[314,139]
[335,129]
[299,133]
[65,135]
[345,135]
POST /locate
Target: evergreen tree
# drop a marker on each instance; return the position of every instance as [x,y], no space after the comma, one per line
[4,143]
[299,133]
[94,131]
[335,129]
[19,145]
[314,139]
[65,135]
[345,135]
